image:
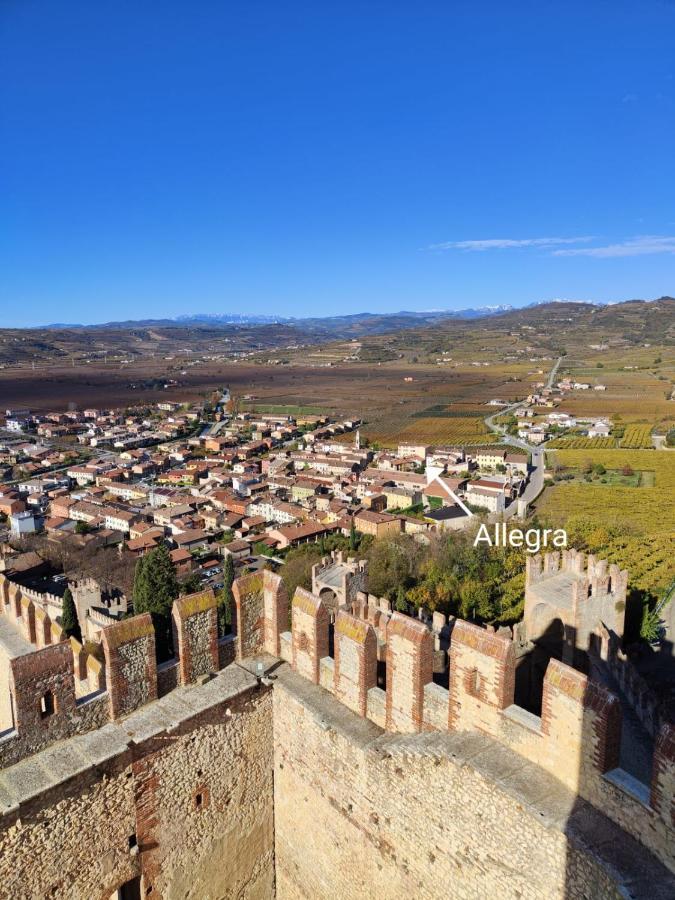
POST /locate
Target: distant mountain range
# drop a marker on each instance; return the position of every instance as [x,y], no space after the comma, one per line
[228,319]
[369,321]
[236,333]
[215,319]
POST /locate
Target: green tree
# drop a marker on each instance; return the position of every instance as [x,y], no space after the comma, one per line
[155,589]
[401,604]
[297,569]
[353,537]
[651,625]
[69,620]
[225,599]
[472,596]
[191,584]
[392,563]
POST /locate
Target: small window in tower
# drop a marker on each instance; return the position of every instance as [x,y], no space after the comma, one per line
[200,798]
[473,683]
[47,705]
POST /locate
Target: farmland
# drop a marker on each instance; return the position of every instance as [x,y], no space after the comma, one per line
[655,512]
[641,523]
[433,430]
[637,437]
[582,443]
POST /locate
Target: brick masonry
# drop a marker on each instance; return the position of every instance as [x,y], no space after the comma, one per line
[409,667]
[355,661]
[310,633]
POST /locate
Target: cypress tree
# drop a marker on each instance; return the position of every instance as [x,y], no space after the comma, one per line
[225,597]
[155,589]
[353,540]
[69,620]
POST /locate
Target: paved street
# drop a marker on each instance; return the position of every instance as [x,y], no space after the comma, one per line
[536,482]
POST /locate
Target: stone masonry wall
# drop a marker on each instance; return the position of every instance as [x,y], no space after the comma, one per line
[71,841]
[195,627]
[129,648]
[179,792]
[205,806]
[362,814]
[290,787]
[248,597]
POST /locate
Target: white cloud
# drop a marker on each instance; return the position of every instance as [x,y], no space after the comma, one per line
[636,246]
[507,243]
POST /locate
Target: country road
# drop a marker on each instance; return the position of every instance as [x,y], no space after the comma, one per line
[536,482]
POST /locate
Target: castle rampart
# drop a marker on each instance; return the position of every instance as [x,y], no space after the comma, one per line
[386,783]
[575,591]
[179,794]
[338,579]
[76,691]
[361,812]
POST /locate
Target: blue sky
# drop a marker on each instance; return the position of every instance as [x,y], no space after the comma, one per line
[320,158]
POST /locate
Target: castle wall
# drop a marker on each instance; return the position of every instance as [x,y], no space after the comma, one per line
[248,598]
[6,718]
[195,626]
[78,834]
[415,790]
[179,793]
[362,814]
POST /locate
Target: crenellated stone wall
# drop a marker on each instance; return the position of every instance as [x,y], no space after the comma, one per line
[361,813]
[318,780]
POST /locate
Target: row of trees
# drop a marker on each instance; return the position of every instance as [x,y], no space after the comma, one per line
[449,574]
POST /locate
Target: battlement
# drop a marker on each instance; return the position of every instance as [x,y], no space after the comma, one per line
[59,687]
[360,687]
[571,593]
[43,598]
[576,739]
[338,579]
[25,613]
[598,574]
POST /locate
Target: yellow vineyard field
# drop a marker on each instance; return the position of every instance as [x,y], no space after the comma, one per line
[638,407]
[433,430]
[647,513]
[637,437]
[582,443]
[650,509]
